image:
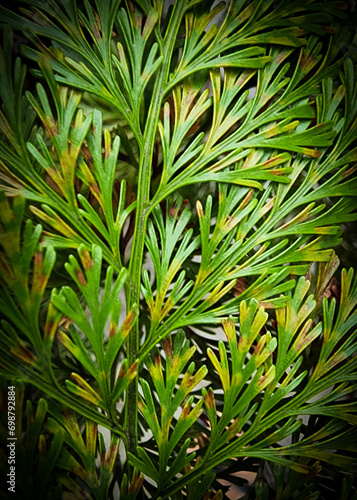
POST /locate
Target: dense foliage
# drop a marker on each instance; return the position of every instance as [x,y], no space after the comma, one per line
[173,183]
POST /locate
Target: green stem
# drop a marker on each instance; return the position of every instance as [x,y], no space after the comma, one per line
[142,213]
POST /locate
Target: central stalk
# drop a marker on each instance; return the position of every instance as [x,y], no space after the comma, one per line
[142,212]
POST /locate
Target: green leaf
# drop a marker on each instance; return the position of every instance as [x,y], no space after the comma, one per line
[165,379]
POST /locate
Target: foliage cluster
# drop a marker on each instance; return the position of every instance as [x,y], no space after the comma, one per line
[173,183]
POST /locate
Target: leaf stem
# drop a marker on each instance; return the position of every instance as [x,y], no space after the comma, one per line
[142,213]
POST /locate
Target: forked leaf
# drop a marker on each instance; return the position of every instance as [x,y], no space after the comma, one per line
[171,398]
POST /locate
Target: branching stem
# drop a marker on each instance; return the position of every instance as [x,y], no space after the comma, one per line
[142,212]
